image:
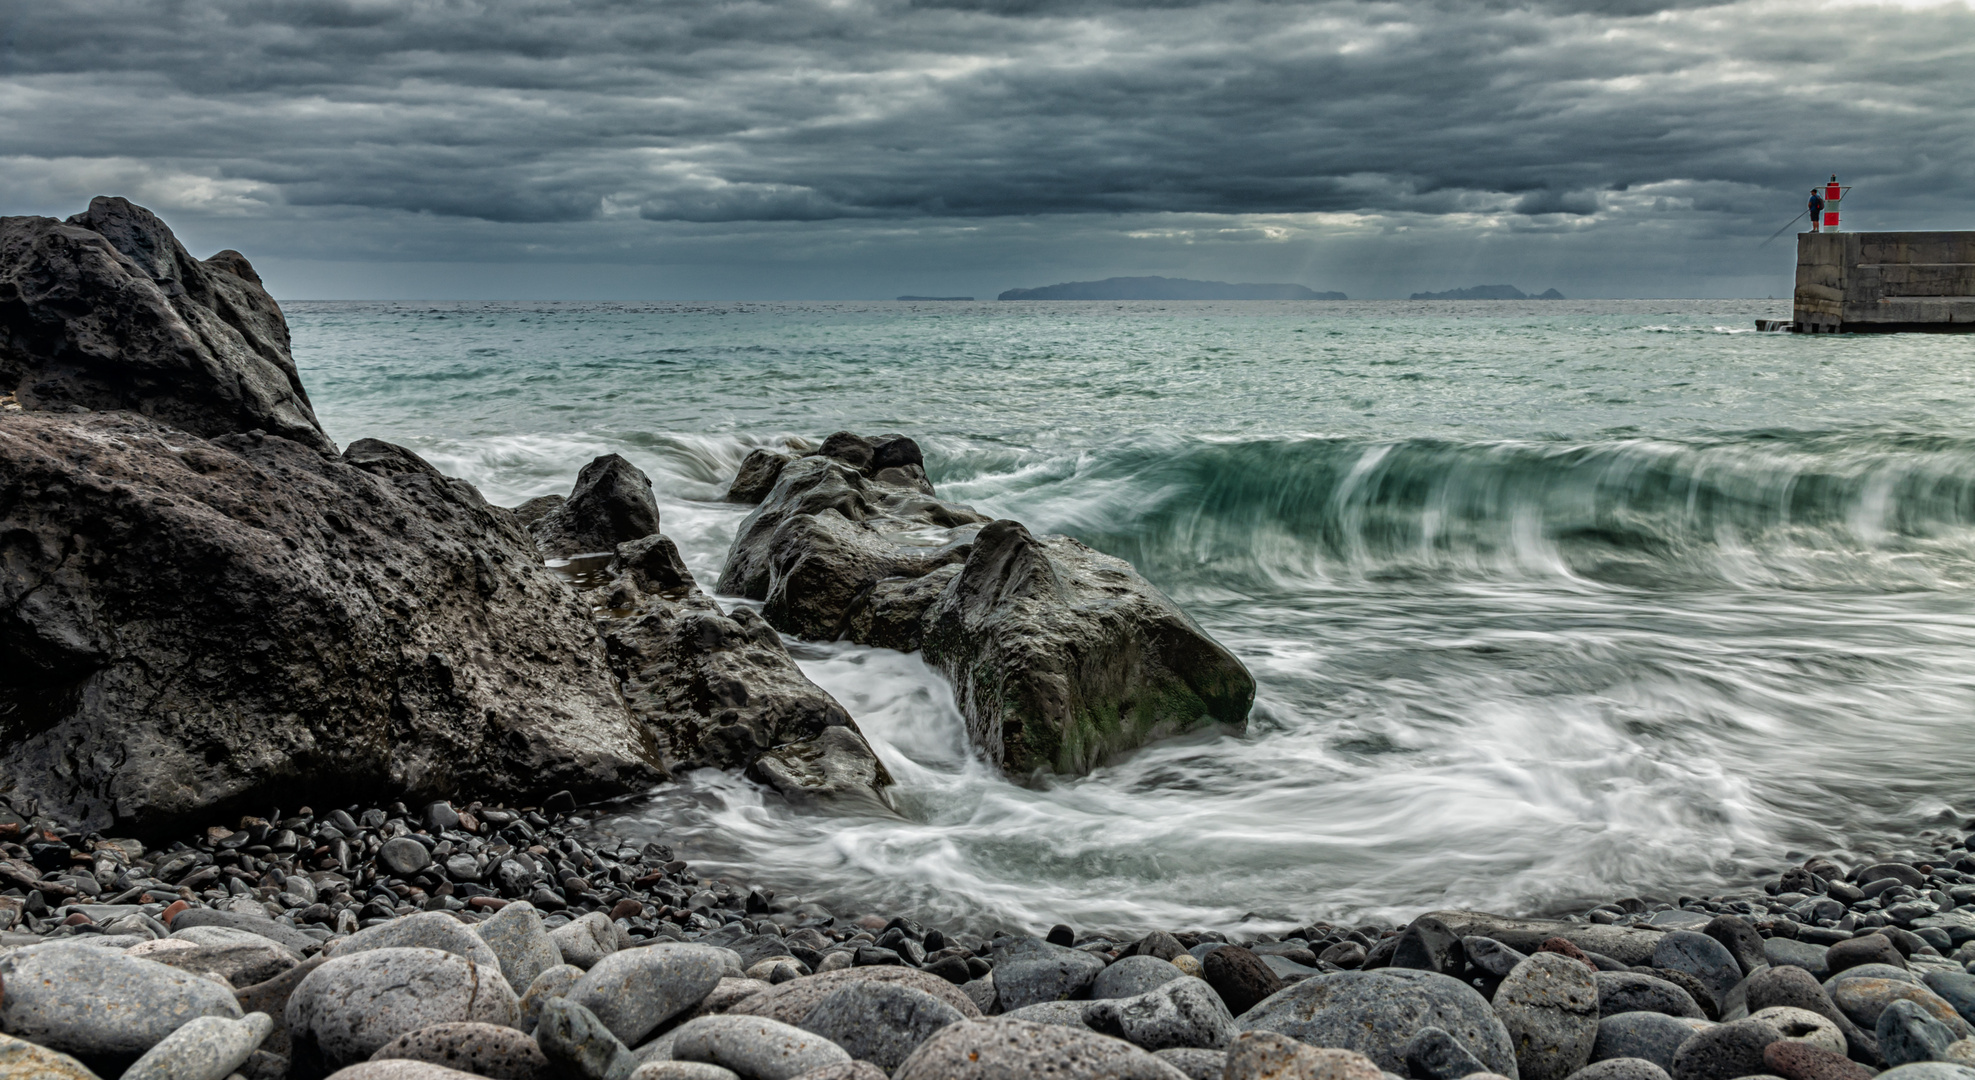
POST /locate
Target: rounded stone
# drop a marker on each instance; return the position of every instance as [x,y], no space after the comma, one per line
[1621,1068]
[684,1070]
[208,1048]
[520,943]
[1267,1055]
[1802,1061]
[754,1046]
[1862,1000]
[403,856]
[23,1060]
[586,941]
[1908,1033]
[1725,1051]
[399,1069]
[1030,971]
[1870,949]
[790,1002]
[1378,1012]
[1131,976]
[1435,1055]
[1004,1049]
[500,1053]
[425,930]
[636,990]
[1700,956]
[554,983]
[1656,1037]
[1804,1026]
[1780,951]
[1195,1064]
[1631,991]
[1183,1013]
[881,1022]
[90,1001]
[1242,978]
[1929,1070]
[1065,1013]
[1549,1004]
[349,1007]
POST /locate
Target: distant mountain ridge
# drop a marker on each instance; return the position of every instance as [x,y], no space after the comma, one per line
[1162,288]
[1487,292]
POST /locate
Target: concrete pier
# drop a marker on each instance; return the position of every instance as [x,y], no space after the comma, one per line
[1885,282]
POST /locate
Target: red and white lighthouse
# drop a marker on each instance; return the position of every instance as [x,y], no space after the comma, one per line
[1833,192]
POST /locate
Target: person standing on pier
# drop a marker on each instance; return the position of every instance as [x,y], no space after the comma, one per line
[1816,209]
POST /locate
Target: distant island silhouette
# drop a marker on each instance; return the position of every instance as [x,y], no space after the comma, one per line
[1487,292]
[1162,288]
[935,298]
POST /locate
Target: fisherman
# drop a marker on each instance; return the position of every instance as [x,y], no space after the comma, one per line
[1816,209]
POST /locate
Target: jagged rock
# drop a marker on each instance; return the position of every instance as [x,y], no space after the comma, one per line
[108,311]
[1060,656]
[759,471]
[612,504]
[193,624]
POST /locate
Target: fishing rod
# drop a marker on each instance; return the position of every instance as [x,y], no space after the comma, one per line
[1785,228]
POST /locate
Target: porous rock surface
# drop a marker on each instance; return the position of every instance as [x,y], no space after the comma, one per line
[1060,656]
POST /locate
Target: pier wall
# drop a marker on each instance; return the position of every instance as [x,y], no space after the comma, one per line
[1885,281]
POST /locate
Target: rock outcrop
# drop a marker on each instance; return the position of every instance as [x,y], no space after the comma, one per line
[107,311]
[198,624]
[712,689]
[1060,656]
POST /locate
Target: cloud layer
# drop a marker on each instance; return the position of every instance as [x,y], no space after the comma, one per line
[853,133]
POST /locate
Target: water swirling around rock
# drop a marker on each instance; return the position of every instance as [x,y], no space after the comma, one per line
[1541,607]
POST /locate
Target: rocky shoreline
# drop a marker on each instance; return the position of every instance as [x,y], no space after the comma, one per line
[209,610]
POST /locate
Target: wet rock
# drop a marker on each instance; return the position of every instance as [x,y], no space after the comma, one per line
[520,945]
[1195,1064]
[790,1002]
[403,595]
[1004,1049]
[586,941]
[1700,956]
[759,471]
[206,1048]
[1802,1061]
[1739,937]
[1432,1054]
[880,1022]
[1623,992]
[499,1053]
[1030,971]
[1263,1055]
[1725,1051]
[1378,1012]
[1957,989]
[611,504]
[578,1046]
[403,856]
[349,1007]
[1240,977]
[1130,976]
[1654,1037]
[1549,1004]
[23,1060]
[1906,875]
[1428,945]
[1908,1033]
[553,983]
[1185,1012]
[1625,944]
[1491,956]
[1158,944]
[755,1047]
[92,1001]
[1870,949]
[1621,1069]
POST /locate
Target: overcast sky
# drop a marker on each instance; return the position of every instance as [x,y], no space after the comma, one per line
[701,149]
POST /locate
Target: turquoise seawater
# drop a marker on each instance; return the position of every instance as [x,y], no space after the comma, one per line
[1546,601]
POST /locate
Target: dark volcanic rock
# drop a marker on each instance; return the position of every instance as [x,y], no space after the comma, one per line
[108,311]
[757,477]
[1240,977]
[193,624]
[612,504]
[1060,656]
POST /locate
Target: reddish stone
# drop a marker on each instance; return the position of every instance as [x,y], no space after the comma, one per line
[1802,1061]
[77,919]
[487,903]
[468,823]
[170,913]
[1559,945]
[627,908]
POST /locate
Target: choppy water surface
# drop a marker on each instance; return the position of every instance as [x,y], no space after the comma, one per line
[1545,601]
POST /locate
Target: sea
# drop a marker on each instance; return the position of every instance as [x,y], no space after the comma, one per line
[1548,603]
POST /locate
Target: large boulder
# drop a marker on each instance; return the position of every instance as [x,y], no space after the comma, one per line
[195,624]
[611,505]
[1060,656]
[107,311]
[1377,1013]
